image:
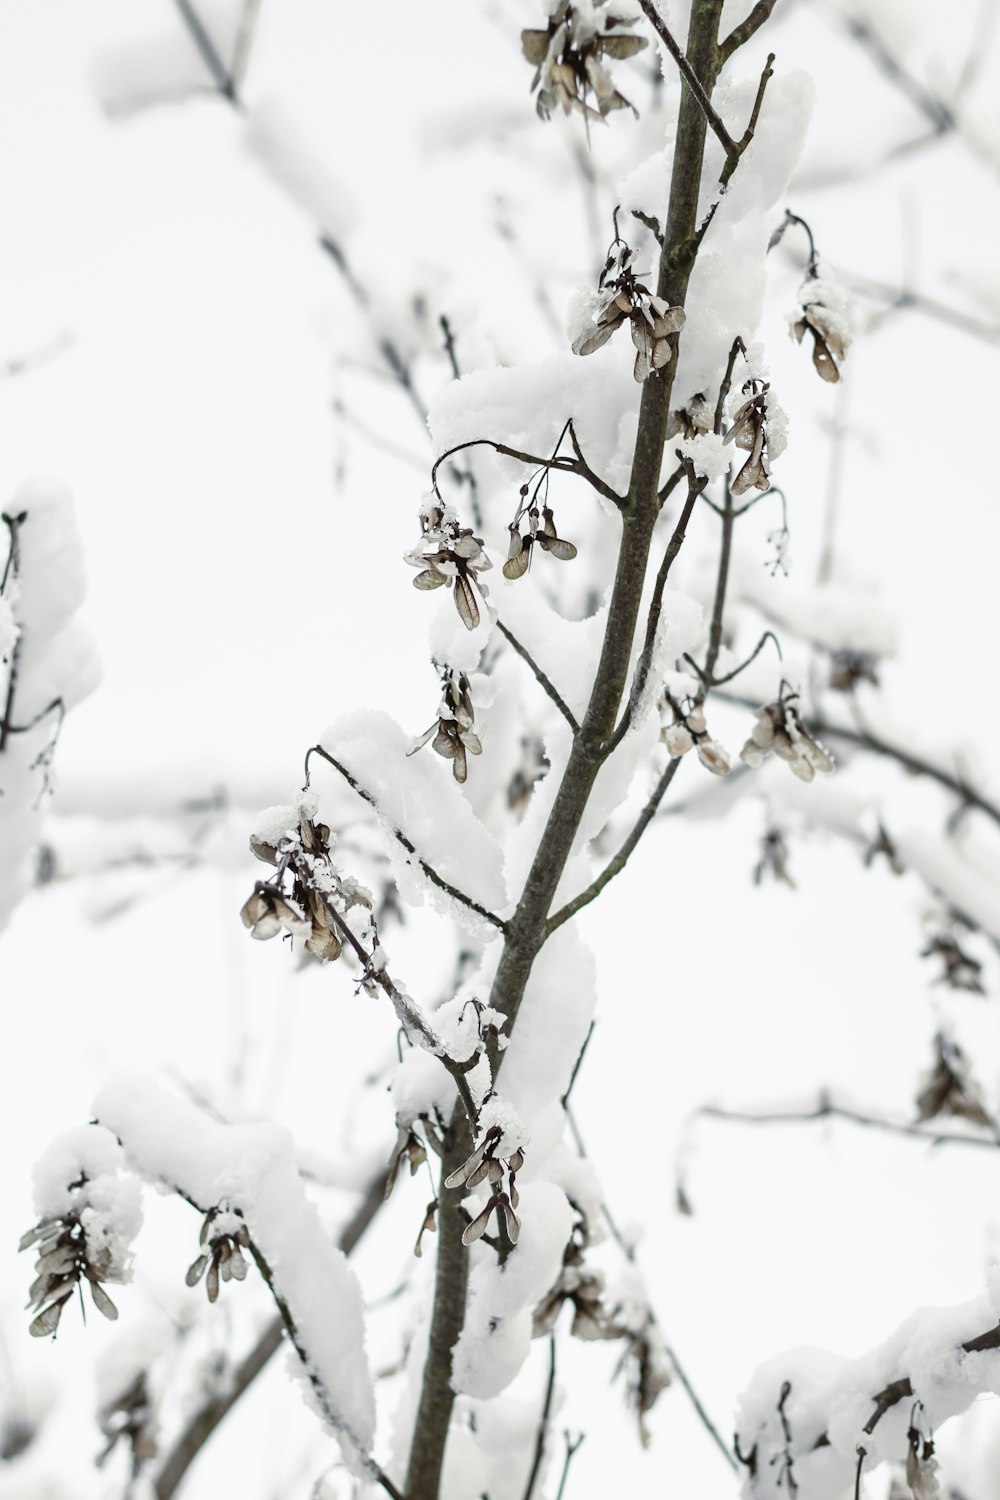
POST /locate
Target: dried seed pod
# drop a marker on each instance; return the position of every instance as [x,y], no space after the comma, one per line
[477,1228]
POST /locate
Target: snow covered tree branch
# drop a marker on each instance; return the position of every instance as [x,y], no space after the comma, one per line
[612,668]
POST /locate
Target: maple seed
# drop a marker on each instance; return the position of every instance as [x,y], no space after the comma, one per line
[622,298]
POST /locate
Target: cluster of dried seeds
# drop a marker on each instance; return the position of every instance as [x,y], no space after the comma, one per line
[779,730]
[484,1165]
[749,431]
[690,730]
[318,897]
[410,1148]
[823,315]
[66,1258]
[131,1418]
[622,298]
[692,420]
[947,1089]
[450,556]
[223,1239]
[569,57]
[541,532]
[961,970]
[848,668]
[452,734]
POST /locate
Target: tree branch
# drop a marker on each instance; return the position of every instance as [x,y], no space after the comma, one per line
[526,932]
[405,843]
[826,1109]
[543,681]
[688,74]
[203,1422]
[562,463]
[617,864]
[543,1422]
[866,739]
[746,29]
[644,662]
[221,76]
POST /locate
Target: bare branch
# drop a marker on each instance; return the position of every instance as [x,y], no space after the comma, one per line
[208,51]
[826,1109]
[642,666]
[746,29]
[405,843]
[561,463]
[543,1422]
[203,1422]
[543,681]
[688,74]
[617,864]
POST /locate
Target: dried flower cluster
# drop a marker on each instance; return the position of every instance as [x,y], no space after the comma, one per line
[692,420]
[223,1238]
[66,1258]
[751,432]
[449,556]
[569,57]
[643,1359]
[773,859]
[779,730]
[961,971]
[484,1165]
[622,298]
[689,730]
[921,1465]
[410,1148]
[848,668]
[130,1418]
[320,897]
[823,314]
[541,532]
[453,734]
[947,1089]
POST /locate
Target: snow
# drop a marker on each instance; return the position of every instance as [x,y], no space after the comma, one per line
[526,408]
[109,1201]
[252,1169]
[157,66]
[418,796]
[54,662]
[271,825]
[300,166]
[496,1338]
[726,290]
[836,1397]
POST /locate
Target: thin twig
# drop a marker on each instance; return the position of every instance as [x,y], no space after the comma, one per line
[688,74]
[404,842]
[221,76]
[645,661]
[577,1066]
[742,33]
[617,864]
[22,364]
[826,1109]
[549,689]
[407,1014]
[203,1422]
[543,1422]
[561,463]
[629,1253]
[721,584]
[572,1445]
[695,1400]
